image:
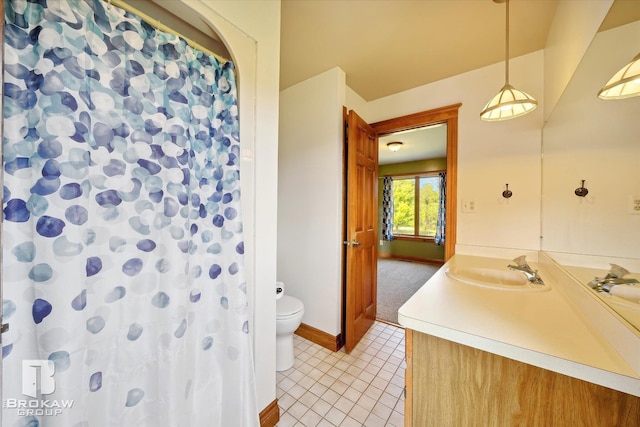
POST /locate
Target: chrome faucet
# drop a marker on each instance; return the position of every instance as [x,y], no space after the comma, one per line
[523,267]
[614,277]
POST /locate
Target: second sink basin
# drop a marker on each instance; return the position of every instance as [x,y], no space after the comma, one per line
[494,278]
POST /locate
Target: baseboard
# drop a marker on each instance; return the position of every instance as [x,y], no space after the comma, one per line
[412,258]
[270,415]
[328,341]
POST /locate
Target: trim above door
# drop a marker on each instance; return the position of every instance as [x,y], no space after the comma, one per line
[448,115]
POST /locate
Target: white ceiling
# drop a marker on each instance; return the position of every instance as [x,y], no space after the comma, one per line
[417,144]
[388,46]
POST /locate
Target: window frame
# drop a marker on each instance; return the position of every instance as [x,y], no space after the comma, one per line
[416,226]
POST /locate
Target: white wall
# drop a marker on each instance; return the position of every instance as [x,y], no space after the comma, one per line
[355,102]
[310,197]
[251,29]
[490,154]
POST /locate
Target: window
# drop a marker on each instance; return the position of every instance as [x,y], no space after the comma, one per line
[415,205]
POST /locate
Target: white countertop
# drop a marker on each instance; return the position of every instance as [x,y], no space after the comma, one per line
[539,328]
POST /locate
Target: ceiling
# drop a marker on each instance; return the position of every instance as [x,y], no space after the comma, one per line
[388,46]
[417,144]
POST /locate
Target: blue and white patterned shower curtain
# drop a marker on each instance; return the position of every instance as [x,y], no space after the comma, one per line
[387,208]
[442,210]
[123,275]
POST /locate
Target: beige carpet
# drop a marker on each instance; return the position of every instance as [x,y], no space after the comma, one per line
[397,282]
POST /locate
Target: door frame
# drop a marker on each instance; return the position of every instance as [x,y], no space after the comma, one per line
[448,115]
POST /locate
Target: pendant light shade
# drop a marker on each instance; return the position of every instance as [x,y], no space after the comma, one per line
[625,83]
[509,102]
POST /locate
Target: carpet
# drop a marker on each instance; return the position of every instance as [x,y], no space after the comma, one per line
[398,280]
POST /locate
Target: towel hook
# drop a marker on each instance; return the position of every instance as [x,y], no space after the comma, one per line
[507,193]
[581,191]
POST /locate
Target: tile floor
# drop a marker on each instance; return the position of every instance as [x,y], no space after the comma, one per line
[363,388]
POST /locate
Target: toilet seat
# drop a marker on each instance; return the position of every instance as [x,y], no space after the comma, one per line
[288,306]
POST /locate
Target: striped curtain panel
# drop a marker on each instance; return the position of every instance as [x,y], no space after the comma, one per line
[442,210]
[387,208]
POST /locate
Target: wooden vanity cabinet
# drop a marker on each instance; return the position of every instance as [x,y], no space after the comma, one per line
[450,384]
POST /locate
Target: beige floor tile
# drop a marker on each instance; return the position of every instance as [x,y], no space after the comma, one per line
[350,422]
[344,405]
[374,421]
[321,407]
[310,419]
[335,389]
[359,413]
[335,416]
[297,410]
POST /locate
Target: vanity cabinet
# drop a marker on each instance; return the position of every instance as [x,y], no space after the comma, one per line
[450,384]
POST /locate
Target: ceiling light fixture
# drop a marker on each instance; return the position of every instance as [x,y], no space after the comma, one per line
[509,102]
[625,83]
[394,146]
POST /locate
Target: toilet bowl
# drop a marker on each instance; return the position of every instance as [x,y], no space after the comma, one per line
[289,311]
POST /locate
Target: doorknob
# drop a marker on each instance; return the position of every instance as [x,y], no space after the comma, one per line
[353,243]
[5,327]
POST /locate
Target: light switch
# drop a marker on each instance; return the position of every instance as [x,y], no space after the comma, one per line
[634,205]
[469,206]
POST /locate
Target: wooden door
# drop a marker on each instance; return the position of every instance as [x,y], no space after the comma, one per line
[362,229]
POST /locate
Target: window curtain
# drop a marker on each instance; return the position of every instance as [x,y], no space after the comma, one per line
[441,223]
[387,208]
[123,269]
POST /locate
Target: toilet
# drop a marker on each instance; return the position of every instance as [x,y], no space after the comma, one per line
[289,311]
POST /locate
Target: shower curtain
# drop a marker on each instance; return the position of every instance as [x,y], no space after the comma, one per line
[123,275]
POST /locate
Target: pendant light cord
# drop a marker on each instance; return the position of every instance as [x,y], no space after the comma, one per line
[506,62]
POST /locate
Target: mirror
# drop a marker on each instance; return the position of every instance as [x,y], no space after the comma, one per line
[586,225]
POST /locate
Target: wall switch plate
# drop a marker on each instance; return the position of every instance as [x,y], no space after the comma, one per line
[469,206]
[634,205]
[381,242]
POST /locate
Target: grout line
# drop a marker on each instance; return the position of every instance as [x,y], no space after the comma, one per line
[328,389]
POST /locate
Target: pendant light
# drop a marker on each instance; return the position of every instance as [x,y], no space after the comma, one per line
[625,83]
[509,102]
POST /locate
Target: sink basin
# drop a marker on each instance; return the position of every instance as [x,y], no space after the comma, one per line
[494,278]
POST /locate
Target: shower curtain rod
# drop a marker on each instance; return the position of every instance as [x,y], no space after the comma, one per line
[160,26]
